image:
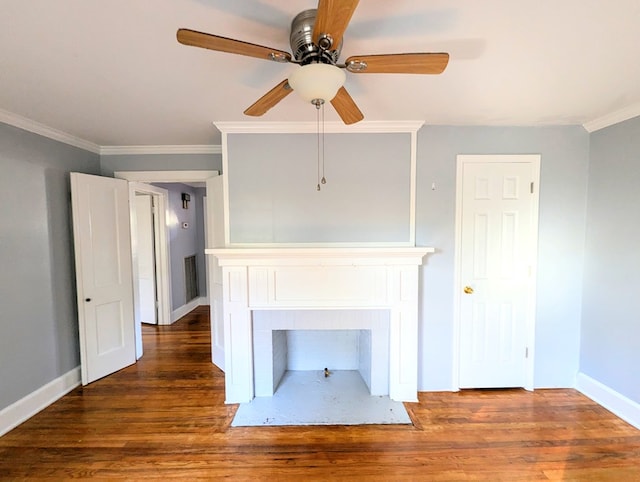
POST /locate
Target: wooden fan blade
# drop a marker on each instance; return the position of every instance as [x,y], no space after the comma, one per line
[268,100]
[332,19]
[223,44]
[427,63]
[346,107]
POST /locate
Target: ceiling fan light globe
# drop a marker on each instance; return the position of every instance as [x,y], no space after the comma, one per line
[317,81]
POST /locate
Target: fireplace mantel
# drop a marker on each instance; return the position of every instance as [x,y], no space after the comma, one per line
[319,256]
[320,278]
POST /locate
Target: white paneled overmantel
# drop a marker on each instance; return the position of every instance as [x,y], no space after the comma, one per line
[270,183]
[321,278]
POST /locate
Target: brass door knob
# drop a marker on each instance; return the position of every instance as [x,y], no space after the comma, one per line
[468,290]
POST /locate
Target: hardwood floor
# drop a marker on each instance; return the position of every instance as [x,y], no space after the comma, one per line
[165,417]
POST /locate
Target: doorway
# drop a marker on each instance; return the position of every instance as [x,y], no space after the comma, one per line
[140,182]
[495,270]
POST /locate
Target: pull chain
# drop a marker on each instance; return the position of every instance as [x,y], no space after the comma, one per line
[324,180]
[318,140]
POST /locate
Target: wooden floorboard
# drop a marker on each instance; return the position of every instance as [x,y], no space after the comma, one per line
[165,417]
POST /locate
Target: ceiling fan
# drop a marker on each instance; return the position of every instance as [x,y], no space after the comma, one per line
[316,43]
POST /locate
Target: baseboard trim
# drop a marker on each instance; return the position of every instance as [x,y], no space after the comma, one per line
[27,407]
[185,309]
[623,407]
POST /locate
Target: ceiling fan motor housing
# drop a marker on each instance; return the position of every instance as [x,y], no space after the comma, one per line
[305,51]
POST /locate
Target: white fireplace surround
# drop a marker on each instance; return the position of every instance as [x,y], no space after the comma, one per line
[343,279]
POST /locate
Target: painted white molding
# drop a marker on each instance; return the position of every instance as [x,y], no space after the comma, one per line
[616,117]
[165,176]
[407,127]
[28,406]
[168,149]
[187,308]
[320,256]
[29,125]
[320,279]
[311,127]
[355,244]
[618,404]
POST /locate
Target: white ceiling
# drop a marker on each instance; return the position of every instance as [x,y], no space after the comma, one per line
[111,71]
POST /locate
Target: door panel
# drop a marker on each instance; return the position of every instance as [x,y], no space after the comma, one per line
[146,258]
[215,239]
[103,273]
[498,231]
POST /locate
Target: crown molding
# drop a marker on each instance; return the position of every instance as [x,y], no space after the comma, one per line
[616,117]
[311,127]
[29,125]
[168,149]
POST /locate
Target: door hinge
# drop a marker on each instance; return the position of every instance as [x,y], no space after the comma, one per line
[526,352]
[531,187]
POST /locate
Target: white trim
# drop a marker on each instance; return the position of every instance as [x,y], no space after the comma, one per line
[412,193]
[225,189]
[322,256]
[618,404]
[531,315]
[187,308]
[28,406]
[311,127]
[29,125]
[355,244]
[168,149]
[410,127]
[163,265]
[616,117]
[165,176]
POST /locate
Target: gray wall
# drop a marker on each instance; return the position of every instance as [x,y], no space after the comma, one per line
[160,162]
[610,347]
[38,315]
[273,196]
[564,169]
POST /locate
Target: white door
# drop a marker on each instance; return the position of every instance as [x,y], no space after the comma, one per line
[215,239]
[101,233]
[497,243]
[146,258]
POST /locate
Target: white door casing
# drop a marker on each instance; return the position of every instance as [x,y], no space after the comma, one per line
[215,238]
[101,229]
[496,250]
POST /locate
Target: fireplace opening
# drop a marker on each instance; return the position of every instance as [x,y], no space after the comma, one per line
[312,340]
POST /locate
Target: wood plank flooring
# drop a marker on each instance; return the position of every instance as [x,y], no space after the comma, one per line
[165,417]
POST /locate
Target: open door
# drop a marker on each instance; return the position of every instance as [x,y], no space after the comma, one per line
[215,239]
[101,232]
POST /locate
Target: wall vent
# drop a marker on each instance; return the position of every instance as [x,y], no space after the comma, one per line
[190,278]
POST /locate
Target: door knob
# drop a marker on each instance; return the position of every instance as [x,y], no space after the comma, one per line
[468,290]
